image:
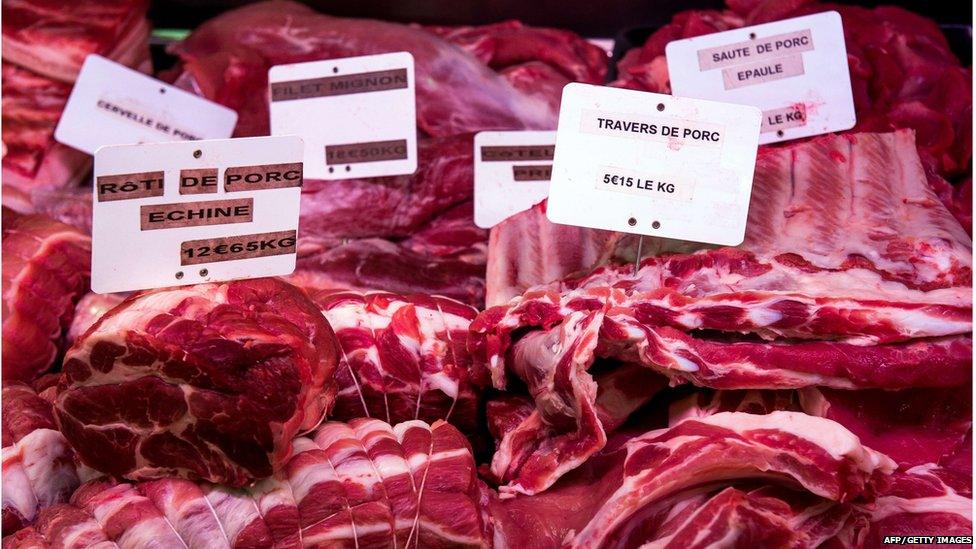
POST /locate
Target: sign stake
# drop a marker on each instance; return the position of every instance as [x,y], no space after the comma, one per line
[640,246]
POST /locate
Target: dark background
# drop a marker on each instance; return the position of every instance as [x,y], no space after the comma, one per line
[592,18]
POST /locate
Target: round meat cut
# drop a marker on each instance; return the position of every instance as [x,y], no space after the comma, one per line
[208,382]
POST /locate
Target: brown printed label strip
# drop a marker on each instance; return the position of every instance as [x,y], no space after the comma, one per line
[762,71]
[760,49]
[231,248]
[363,82]
[781,119]
[259,178]
[374,151]
[194,214]
[198,181]
[509,153]
[532,173]
[129,186]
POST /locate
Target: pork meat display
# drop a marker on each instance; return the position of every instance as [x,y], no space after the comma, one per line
[364,483]
[419,381]
[852,275]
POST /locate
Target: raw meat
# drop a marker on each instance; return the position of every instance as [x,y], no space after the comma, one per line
[398,206]
[809,231]
[912,426]
[852,275]
[403,357]
[452,235]
[574,410]
[227,60]
[38,471]
[362,484]
[90,308]
[510,43]
[53,38]
[903,73]
[527,249]
[923,500]
[374,263]
[46,266]
[44,45]
[821,253]
[38,464]
[924,430]
[660,486]
[203,382]
[23,412]
[32,106]
[535,60]
[229,56]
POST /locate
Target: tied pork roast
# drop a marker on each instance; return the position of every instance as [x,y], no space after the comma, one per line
[403,357]
[361,484]
[208,382]
[39,468]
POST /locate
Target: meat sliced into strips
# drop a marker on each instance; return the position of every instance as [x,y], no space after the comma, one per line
[32,159]
[818,455]
[203,382]
[402,357]
[361,484]
[801,303]
[229,56]
[46,266]
[815,297]
[725,364]
[53,38]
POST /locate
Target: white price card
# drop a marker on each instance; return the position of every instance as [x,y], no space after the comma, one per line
[653,164]
[112,104]
[511,173]
[171,214]
[795,70]
[357,115]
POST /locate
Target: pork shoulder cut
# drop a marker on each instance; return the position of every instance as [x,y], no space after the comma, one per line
[207,382]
